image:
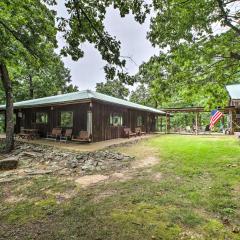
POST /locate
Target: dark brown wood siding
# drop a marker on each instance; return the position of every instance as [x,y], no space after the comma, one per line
[102,130]
[79,117]
[101,111]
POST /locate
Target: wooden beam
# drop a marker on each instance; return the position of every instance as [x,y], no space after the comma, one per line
[231,122]
[196,123]
[193,109]
[167,123]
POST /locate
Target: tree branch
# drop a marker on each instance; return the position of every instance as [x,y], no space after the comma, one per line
[15,35]
[225,17]
[235,55]
[91,24]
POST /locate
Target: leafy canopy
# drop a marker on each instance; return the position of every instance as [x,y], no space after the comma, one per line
[200,42]
[85,23]
[27,30]
[113,88]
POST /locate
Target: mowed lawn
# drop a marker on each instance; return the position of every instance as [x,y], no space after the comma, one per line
[193,192]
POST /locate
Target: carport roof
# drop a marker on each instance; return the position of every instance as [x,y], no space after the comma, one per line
[234,91]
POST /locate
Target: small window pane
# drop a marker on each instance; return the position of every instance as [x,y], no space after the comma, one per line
[139,121]
[66,119]
[41,117]
[116,120]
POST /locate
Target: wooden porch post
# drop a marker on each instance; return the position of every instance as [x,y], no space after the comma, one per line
[196,123]
[167,123]
[161,124]
[230,122]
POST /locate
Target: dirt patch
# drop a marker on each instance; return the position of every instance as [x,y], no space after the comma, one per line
[157,177]
[88,180]
[144,163]
[121,176]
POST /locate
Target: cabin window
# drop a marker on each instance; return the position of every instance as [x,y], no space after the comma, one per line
[41,117]
[139,121]
[116,119]
[66,119]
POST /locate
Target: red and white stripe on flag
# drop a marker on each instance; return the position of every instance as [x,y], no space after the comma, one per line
[215,116]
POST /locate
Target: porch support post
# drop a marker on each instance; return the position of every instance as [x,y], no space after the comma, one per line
[89,120]
[161,124]
[230,123]
[167,123]
[196,123]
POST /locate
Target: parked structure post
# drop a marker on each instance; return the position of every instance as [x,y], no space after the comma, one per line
[196,123]
[167,123]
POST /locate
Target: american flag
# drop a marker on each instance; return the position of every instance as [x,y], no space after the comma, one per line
[215,116]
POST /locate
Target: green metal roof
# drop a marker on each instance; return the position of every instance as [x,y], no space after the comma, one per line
[234,91]
[80,96]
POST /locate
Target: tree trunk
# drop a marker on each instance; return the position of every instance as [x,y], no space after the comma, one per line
[7,85]
[30,87]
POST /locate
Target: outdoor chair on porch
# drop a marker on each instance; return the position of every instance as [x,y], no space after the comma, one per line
[139,131]
[128,133]
[83,136]
[66,136]
[55,134]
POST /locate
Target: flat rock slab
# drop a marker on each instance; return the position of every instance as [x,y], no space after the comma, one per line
[37,172]
[8,163]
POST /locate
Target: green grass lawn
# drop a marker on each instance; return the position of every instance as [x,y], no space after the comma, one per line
[195,196]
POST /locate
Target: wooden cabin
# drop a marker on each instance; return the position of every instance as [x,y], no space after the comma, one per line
[104,117]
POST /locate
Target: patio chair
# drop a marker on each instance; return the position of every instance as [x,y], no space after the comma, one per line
[55,134]
[128,133]
[139,131]
[66,136]
[83,136]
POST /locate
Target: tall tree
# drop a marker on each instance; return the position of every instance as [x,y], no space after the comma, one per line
[85,23]
[27,30]
[142,95]
[113,88]
[27,27]
[30,81]
[201,47]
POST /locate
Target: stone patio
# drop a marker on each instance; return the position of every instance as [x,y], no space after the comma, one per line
[41,157]
[83,147]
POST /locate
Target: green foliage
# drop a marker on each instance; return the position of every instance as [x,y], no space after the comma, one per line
[86,24]
[33,82]
[28,34]
[200,52]
[27,31]
[142,95]
[113,88]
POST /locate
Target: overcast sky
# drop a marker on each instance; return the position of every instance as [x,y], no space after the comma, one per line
[87,71]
